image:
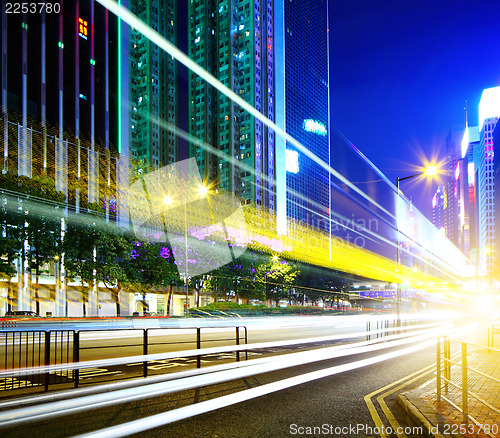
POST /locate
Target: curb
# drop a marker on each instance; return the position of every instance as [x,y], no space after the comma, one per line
[424,416]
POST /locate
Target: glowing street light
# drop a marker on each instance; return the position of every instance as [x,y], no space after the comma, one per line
[204,191]
[428,171]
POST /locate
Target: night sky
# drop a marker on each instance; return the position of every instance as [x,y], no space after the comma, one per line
[401,72]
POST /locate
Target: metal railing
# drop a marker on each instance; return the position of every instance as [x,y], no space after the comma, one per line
[444,363]
[494,328]
[385,327]
[26,349]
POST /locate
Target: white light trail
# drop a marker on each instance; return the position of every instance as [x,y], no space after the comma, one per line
[196,352]
[228,400]
[259,366]
[132,20]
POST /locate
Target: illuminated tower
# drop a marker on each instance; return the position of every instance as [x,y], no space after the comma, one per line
[234,41]
[489,113]
[470,141]
[438,201]
[57,86]
[452,184]
[302,100]
[152,88]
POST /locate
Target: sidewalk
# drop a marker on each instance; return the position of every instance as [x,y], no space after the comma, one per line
[443,420]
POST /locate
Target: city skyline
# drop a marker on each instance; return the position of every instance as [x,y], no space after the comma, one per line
[401,74]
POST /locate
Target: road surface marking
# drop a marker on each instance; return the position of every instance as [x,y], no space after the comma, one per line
[371,407]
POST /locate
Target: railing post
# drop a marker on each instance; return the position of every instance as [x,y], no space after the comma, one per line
[145,351]
[237,343]
[447,371]
[198,346]
[438,370]
[465,404]
[47,360]
[76,356]
[246,342]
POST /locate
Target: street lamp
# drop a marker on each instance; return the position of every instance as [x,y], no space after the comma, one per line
[429,171]
[167,201]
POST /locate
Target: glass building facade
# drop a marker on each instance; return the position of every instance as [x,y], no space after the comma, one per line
[303,84]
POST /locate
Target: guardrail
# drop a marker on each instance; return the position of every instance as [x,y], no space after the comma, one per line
[494,328]
[385,327]
[25,349]
[444,364]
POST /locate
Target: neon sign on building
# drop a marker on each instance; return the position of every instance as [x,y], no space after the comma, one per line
[315,127]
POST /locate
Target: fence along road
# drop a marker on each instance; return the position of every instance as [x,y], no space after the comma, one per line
[396,344]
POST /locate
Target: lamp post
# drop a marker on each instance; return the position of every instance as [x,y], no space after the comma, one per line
[429,171]
[167,201]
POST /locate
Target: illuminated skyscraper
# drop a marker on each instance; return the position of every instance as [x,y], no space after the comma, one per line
[452,184]
[302,99]
[59,98]
[275,56]
[438,202]
[234,41]
[470,141]
[484,161]
[152,93]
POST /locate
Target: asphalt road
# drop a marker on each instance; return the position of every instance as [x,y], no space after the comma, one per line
[331,402]
[334,405]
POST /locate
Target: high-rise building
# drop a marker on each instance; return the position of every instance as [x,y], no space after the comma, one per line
[302,94]
[59,99]
[452,184]
[468,238]
[152,93]
[438,204]
[275,56]
[489,113]
[234,41]
[496,202]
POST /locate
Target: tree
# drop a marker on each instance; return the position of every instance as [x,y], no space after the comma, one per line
[321,284]
[151,264]
[95,251]
[278,278]
[44,236]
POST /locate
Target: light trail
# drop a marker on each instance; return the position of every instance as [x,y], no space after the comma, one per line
[124,14]
[197,352]
[79,392]
[259,366]
[344,221]
[228,400]
[132,20]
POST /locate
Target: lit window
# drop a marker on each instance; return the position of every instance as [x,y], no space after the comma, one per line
[82,28]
